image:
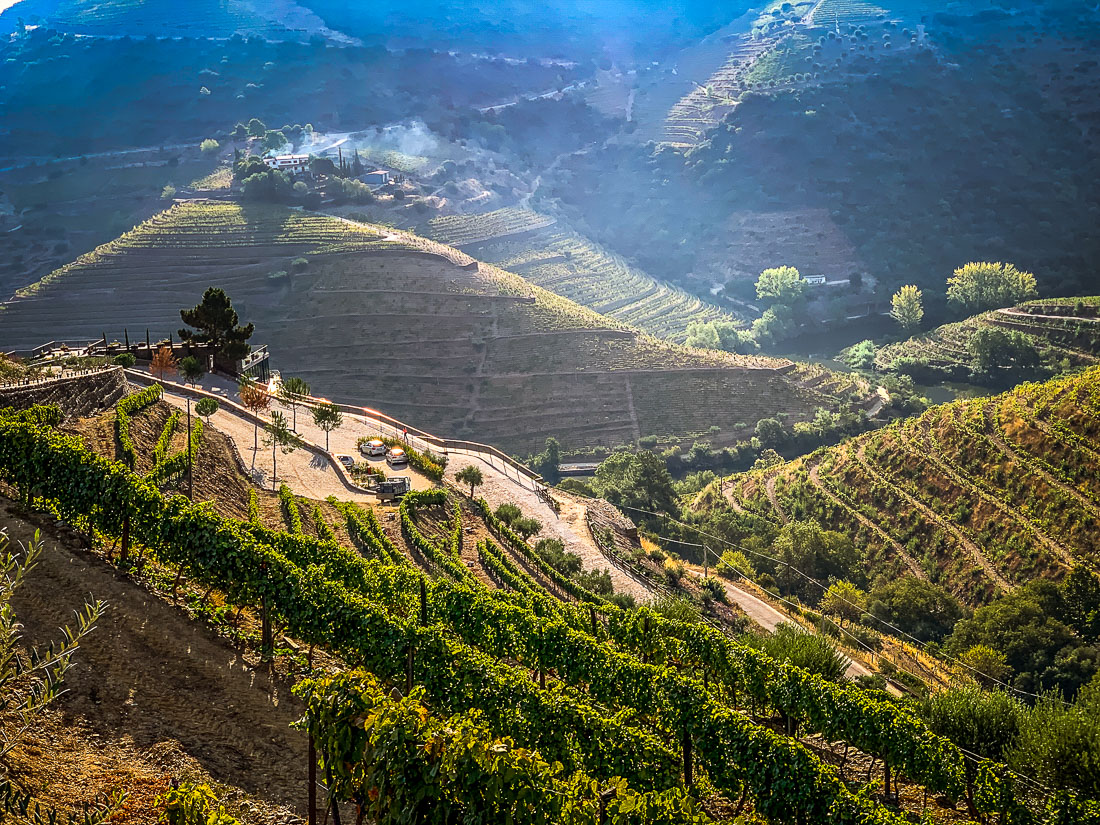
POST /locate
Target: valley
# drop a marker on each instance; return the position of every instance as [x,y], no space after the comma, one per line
[597,412]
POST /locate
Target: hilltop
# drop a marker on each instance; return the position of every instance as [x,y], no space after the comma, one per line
[415,328]
[1058,334]
[980,496]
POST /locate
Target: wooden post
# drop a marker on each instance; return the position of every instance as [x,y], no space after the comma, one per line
[645,641]
[267,645]
[592,614]
[312,783]
[687,760]
[124,555]
[542,671]
[423,603]
[886,779]
[190,469]
[605,798]
[409,669]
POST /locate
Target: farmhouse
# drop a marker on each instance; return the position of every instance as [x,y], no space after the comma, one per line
[378,176]
[288,163]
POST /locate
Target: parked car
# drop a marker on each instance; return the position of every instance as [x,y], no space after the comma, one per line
[346,460]
[373,447]
[396,457]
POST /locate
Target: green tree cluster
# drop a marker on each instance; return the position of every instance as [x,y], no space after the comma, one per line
[976,287]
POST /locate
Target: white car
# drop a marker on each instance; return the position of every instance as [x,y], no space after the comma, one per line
[346,460]
[373,447]
[396,457]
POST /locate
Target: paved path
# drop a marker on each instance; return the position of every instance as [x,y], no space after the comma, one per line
[570,526]
[768,617]
[341,441]
[305,472]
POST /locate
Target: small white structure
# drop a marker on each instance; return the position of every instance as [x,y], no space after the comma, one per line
[288,163]
[815,280]
[378,177]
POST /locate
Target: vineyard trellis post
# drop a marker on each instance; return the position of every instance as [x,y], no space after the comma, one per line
[687,759]
[312,793]
[190,456]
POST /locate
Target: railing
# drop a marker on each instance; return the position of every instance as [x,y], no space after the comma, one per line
[423,440]
[66,375]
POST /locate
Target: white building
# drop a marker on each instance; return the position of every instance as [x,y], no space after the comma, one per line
[288,163]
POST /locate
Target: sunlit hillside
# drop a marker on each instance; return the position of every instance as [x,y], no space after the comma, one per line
[980,495]
[372,315]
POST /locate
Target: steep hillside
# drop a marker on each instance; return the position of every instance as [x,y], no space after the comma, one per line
[371,315]
[979,495]
[1063,332]
[566,263]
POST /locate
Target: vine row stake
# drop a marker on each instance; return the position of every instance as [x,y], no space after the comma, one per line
[312,782]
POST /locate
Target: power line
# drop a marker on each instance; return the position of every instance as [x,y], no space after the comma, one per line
[897,630]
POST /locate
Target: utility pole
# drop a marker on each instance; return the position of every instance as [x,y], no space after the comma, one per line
[190,473]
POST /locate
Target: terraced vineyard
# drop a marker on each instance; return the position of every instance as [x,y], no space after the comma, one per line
[706,105]
[833,12]
[980,495]
[467,230]
[570,265]
[502,360]
[410,164]
[425,628]
[1065,332]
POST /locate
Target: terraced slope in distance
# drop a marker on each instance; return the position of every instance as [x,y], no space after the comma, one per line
[1065,331]
[982,494]
[570,265]
[408,326]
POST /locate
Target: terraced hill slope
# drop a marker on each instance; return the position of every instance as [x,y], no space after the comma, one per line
[568,264]
[419,330]
[1065,332]
[977,495]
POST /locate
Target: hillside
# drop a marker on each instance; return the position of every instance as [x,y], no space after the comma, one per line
[566,263]
[498,652]
[980,495]
[1064,333]
[345,305]
[847,131]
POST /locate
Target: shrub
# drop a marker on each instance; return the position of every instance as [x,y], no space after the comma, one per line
[714,588]
[125,359]
[674,570]
[676,609]
[508,513]
[736,565]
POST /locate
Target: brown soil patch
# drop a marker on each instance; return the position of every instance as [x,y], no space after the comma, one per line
[149,682]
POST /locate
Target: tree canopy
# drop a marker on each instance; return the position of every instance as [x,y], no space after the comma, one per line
[918,607]
[907,307]
[980,286]
[803,546]
[216,323]
[781,284]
